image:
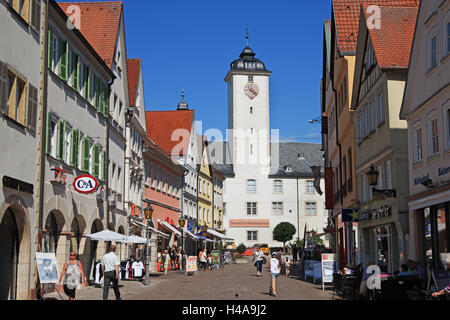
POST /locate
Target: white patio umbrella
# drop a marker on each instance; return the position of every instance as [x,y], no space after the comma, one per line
[135,239]
[107,235]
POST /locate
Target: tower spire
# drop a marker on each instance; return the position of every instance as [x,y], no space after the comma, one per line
[182,105]
[246,35]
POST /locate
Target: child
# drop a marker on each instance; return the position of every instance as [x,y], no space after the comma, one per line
[209,262]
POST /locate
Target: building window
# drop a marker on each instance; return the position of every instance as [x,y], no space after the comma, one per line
[380,100]
[277,208]
[277,186]
[447,124]
[158,178]
[448,37]
[251,186]
[252,235]
[251,110]
[432,52]
[433,134]
[418,153]
[251,208]
[310,186]
[311,209]
[372,116]
[388,175]
[16,98]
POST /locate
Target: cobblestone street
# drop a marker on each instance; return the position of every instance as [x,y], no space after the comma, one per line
[234,282]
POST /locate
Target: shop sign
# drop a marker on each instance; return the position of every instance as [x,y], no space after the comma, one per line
[101,194]
[85,184]
[421,180]
[442,171]
[60,176]
[374,214]
[17,185]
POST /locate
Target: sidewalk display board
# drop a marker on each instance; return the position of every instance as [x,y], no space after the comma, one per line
[328,268]
[191,264]
[47,268]
[216,257]
[309,268]
[317,268]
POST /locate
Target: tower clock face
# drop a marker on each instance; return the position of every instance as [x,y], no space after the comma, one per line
[251,90]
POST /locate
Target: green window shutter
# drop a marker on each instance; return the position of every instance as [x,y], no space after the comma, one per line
[105,166]
[48,139]
[86,83]
[106,101]
[63,57]
[96,161]
[60,143]
[96,93]
[74,146]
[63,156]
[50,47]
[86,155]
[75,71]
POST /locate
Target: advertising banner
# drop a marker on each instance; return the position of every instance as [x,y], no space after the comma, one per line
[191,264]
[216,257]
[47,268]
[328,268]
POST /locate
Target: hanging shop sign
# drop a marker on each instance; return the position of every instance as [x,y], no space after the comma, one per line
[101,196]
[375,214]
[59,176]
[85,184]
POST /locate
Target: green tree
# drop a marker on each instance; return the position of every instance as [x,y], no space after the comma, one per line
[284,232]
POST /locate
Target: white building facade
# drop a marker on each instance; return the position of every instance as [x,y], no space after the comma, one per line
[22,25]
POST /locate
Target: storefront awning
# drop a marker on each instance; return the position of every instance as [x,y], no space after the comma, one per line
[190,234]
[170,227]
[162,234]
[219,235]
[205,239]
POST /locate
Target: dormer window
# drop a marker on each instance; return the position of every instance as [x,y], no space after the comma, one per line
[301,156]
[288,169]
[250,65]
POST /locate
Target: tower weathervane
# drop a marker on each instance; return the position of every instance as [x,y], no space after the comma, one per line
[246,35]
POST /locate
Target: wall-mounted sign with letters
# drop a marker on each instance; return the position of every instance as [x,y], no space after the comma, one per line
[85,184]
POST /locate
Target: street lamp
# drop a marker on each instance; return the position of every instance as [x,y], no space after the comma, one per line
[182,222]
[372,177]
[148,212]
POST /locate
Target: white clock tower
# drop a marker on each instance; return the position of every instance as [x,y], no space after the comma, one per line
[247,217]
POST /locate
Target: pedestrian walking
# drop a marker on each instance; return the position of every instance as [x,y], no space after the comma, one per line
[258,258]
[166,260]
[203,259]
[275,270]
[287,265]
[110,269]
[72,276]
[209,262]
[294,254]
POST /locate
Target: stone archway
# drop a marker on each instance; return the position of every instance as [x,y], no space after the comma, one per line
[15,253]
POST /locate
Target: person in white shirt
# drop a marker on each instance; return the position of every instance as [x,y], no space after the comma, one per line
[258,258]
[110,269]
[287,264]
[275,270]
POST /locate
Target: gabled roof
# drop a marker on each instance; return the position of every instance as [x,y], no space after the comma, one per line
[133,68]
[162,124]
[99,25]
[346,19]
[393,41]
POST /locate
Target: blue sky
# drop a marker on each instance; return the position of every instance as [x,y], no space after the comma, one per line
[190,45]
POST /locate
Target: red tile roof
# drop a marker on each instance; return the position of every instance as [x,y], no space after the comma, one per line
[99,25]
[393,41]
[346,16]
[162,124]
[133,67]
